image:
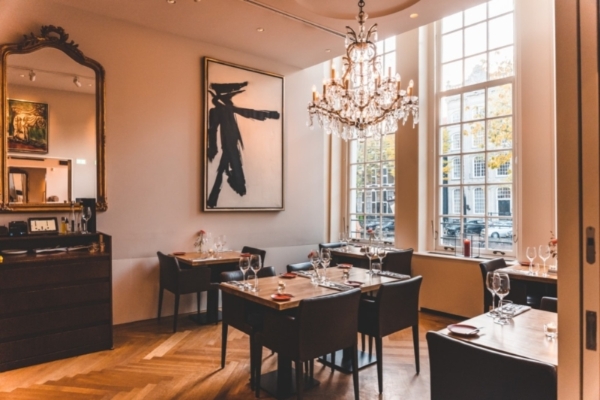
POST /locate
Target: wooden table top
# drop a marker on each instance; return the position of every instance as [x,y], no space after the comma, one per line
[520,272]
[197,259]
[524,336]
[301,288]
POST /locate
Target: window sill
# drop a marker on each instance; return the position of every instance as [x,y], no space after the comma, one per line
[434,254]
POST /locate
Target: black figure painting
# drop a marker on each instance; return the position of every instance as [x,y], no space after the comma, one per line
[244,139]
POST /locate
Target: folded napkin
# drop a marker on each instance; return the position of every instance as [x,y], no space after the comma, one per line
[304,274]
[390,274]
[336,286]
[519,308]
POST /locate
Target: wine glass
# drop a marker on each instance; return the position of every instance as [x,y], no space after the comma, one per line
[223,242]
[244,266]
[489,284]
[325,260]
[544,254]
[381,253]
[219,245]
[344,240]
[370,255]
[206,239]
[315,260]
[502,289]
[256,265]
[530,256]
[86,214]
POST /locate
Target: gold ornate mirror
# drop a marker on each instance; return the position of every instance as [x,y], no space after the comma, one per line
[52,125]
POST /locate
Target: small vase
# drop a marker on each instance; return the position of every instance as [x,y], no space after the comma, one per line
[198,245]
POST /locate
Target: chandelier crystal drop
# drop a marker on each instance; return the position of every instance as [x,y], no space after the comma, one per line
[363,103]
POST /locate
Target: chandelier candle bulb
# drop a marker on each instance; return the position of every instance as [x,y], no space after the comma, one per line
[314,93]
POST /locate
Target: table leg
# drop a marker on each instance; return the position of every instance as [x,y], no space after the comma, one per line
[343,360]
[212,314]
[282,383]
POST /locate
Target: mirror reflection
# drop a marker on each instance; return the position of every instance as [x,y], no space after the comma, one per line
[51,111]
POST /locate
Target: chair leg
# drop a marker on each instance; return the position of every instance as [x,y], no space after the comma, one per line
[299,380]
[176,313]
[333,362]
[379,351]
[198,295]
[160,299]
[355,370]
[224,344]
[415,330]
[258,367]
[370,345]
[362,336]
[253,356]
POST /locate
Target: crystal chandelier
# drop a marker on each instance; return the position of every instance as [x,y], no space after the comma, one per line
[363,103]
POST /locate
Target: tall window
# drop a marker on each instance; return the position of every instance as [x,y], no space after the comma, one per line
[371,185]
[476,56]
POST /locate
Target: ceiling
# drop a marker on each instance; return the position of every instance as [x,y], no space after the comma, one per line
[299,33]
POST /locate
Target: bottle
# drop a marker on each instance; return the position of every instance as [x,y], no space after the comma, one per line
[63,226]
[67,226]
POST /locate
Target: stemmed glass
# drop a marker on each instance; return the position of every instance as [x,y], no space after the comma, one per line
[256,265]
[223,242]
[325,260]
[502,289]
[381,253]
[344,241]
[244,266]
[219,245]
[206,239]
[489,284]
[315,260]
[544,254]
[371,251]
[530,256]
[86,214]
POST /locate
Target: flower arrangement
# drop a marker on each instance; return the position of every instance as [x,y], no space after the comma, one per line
[553,244]
[313,253]
[371,234]
[199,241]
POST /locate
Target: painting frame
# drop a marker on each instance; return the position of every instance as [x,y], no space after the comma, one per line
[27,129]
[243,138]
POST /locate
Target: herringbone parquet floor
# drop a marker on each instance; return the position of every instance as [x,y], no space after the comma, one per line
[150,362]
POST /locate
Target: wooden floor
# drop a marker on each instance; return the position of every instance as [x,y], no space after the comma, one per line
[150,362]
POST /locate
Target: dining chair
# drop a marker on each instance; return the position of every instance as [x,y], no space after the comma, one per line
[241,315]
[398,262]
[253,250]
[518,290]
[549,304]
[394,308]
[461,370]
[178,281]
[321,325]
[303,266]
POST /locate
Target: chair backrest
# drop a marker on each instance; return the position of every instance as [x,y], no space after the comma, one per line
[549,304]
[518,290]
[398,261]
[329,246]
[169,270]
[303,266]
[182,280]
[327,323]
[253,250]
[461,370]
[398,305]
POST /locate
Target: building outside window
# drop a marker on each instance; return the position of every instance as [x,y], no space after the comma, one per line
[371,183]
[476,81]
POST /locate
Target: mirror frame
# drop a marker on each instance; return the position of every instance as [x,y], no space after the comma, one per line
[51,37]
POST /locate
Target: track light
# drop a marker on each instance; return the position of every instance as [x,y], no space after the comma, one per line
[32,76]
[76,81]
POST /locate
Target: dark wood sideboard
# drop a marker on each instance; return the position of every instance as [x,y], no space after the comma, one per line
[54,305]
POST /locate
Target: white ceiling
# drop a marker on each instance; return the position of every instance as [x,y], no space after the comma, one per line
[233,23]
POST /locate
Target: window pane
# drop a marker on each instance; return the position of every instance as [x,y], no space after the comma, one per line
[357,176]
[497,7]
[451,200]
[475,14]
[388,173]
[387,202]
[390,44]
[452,22]
[450,139]
[356,226]
[389,147]
[500,234]
[474,204]
[474,168]
[389,64]
[373,149]
[475,69]
[373,175]
[501,63]
[475,39]
[450,109]
[357,201]
[380,49]
[501,31]
[452,46]
[500,167]
[500,133]
[500,100]
[452,74]
[500,200]
[357,151]
[473,105]
[473,136]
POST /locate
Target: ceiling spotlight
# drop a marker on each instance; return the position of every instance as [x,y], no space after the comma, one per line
[171,1]
[327,50]
[260,29]
[32,76]
[22,75]
[415,15]
[76,81]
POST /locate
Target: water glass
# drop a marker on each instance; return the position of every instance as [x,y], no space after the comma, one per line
[256,265]
[244,266]
[551,330]
[376,268]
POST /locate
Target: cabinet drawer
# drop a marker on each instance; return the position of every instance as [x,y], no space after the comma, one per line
[41,323]
[44,299]
[43,345]
[42,274]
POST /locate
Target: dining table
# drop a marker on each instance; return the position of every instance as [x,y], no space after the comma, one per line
[355,254]
[217,262]
[280,383]
[523,336]
[521,272]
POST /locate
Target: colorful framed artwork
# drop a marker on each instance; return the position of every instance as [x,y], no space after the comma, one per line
[27,126]
[243,138]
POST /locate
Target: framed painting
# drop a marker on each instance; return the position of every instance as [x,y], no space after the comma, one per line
[243,138]
[27,126]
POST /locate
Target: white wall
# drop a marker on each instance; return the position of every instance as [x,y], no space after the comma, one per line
[154,167]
